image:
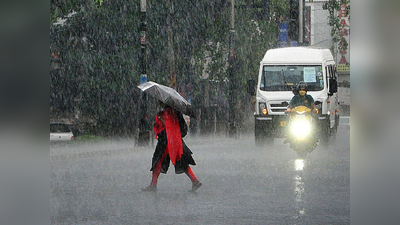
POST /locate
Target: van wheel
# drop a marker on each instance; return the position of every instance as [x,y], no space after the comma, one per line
[258,134]
[260,142]
[325,133]
[269,139]
[262,134]
[334,130]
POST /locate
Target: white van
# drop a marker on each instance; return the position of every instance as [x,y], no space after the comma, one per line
[280,70]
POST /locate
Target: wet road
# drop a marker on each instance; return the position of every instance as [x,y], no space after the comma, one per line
[100,183]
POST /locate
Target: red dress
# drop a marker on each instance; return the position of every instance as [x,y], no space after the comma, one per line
[170,140]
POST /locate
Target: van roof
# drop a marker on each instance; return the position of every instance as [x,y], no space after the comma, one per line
[297,55]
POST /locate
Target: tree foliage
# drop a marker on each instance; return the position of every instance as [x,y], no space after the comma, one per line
[97,51]
[337,31]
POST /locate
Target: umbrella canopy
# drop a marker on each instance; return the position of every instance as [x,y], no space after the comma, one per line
[167,95]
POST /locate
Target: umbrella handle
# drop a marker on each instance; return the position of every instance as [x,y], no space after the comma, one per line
[161,117]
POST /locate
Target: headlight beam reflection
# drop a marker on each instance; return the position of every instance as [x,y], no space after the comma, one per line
[299,164]
[299,188]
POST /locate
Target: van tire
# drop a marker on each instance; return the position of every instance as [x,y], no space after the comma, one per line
[325,131]
[259,134]
[269,140]
[262,134]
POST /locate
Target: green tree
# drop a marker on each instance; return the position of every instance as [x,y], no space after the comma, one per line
[97,51]
[98,54]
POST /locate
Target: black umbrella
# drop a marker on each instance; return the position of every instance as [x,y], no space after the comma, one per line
[167,95]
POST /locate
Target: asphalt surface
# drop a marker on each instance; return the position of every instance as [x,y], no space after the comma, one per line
[100,183]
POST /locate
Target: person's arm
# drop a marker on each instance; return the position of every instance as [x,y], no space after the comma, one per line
[291,104]
[312,105]
[161,117]
[159,123]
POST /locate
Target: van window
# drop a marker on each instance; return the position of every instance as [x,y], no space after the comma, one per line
[284,77]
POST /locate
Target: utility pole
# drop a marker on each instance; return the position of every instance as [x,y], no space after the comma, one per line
[232,80]
[301,20]
[143,137]
[170,40]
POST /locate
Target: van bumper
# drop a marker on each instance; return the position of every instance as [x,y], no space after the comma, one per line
[263,118]
[274,125]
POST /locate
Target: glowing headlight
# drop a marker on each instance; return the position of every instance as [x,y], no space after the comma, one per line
[263,109]
[300,128]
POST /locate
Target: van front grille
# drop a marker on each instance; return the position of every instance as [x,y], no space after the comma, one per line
[278,107]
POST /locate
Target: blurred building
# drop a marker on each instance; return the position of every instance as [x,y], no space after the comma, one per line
[317,33]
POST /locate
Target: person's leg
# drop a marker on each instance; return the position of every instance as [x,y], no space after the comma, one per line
[157,169]
[191,175]
[195,182]
[156,174]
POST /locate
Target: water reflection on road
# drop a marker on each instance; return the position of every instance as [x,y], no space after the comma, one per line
[101,183]
[299,187]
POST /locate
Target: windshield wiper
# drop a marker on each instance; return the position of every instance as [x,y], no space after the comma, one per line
[284,78]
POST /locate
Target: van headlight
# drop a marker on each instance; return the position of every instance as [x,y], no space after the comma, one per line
[318,107]
[263,108]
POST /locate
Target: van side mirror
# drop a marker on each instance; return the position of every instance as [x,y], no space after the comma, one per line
[333,86]
[251,87]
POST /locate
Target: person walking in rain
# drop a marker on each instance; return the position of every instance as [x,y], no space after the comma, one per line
[170,127]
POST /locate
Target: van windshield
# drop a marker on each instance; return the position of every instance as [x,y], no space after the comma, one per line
[284,77]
